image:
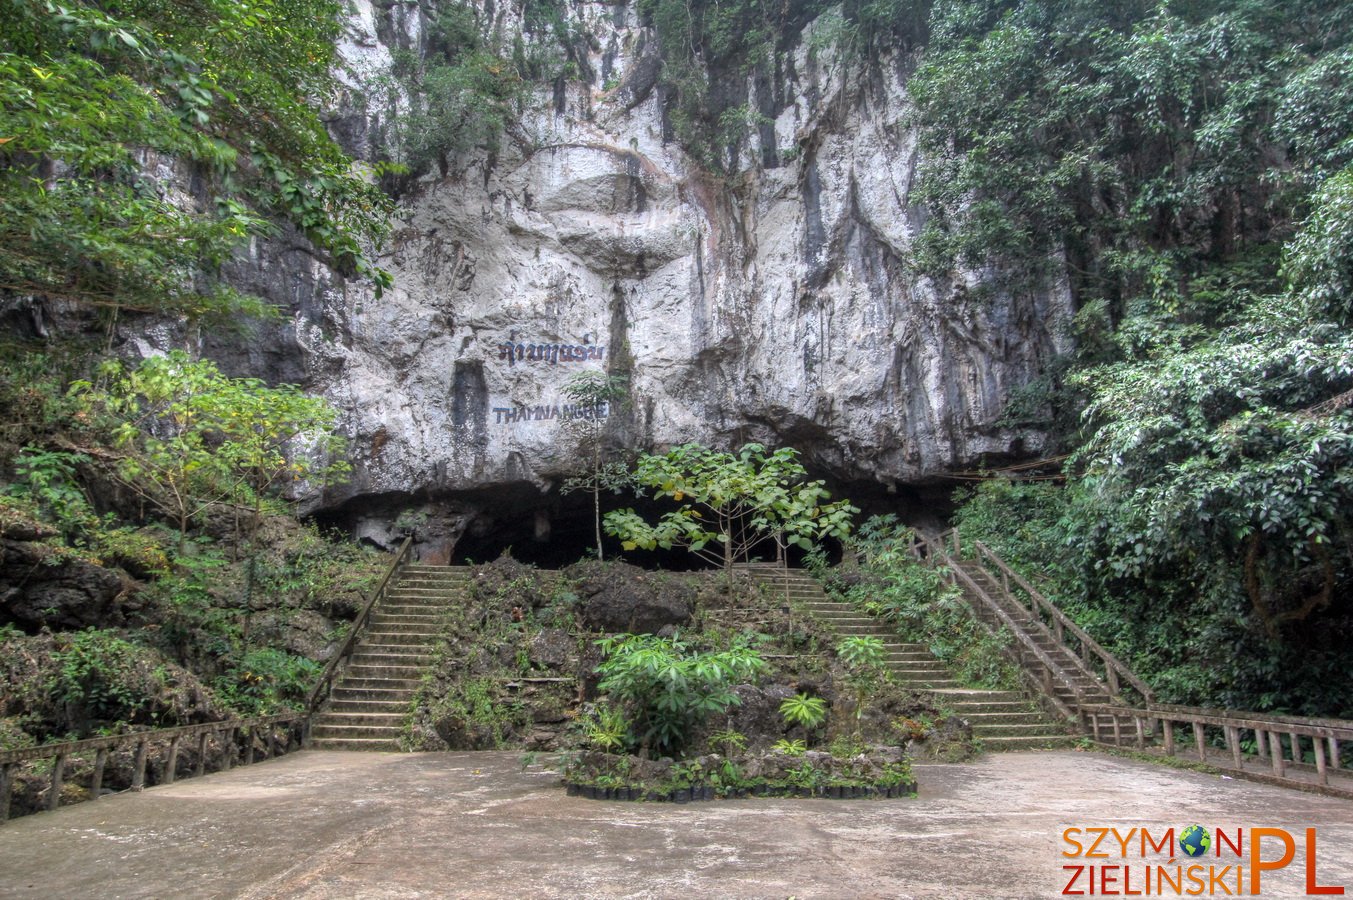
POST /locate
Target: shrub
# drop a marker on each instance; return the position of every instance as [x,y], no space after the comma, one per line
[801,709]
[669,687]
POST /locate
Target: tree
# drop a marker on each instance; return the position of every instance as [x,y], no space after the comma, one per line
[731,501]
[594,393]
[1229,459]
[194,439]
[97,100]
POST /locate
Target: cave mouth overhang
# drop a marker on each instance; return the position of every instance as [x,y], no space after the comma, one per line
[552,529]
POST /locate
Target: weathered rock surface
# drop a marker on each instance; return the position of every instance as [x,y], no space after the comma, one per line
[623,598]
[775,303]
[38,591]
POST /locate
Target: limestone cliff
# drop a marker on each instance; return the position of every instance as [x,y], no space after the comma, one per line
[774,303]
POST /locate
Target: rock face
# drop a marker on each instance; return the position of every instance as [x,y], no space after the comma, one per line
[774,303]
[621,598]
[36,591]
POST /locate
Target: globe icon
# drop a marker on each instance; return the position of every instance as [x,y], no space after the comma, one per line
[1195,840]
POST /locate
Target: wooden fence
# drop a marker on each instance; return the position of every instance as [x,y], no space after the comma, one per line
[1283,749]
[270,735]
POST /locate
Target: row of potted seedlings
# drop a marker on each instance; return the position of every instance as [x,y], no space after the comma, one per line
[762,789]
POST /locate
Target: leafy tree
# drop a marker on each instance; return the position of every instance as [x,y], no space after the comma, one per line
[595,391]
[1228,460]
[732,502]
[1143,143]
[194,439]
[669,687]
[98,101]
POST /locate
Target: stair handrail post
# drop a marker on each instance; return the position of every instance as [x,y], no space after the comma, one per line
[322,687]
[1115,670]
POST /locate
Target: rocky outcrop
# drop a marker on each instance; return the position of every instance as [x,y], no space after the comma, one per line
[621,598]
[774,303]
[39,589]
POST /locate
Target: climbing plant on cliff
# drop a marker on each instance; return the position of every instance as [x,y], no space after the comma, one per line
[730,503]
[143,143]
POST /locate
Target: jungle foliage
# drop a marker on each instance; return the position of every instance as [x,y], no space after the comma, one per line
[108,109]
[730,504]
[1188,165]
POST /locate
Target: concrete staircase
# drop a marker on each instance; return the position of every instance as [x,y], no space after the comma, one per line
[1092,690]
[1001,720]
[370,699]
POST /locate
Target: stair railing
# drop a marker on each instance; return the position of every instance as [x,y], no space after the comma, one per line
[1113,671]
[320,692]
[1050,670]
[1219,740]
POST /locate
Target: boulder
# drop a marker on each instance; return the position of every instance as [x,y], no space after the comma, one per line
[617,597]
[38,589]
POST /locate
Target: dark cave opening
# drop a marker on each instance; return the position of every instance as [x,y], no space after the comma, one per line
[551,530]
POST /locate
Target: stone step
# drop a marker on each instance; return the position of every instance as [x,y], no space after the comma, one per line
[344,692]
[418,624]
[365,745]
[409,674]
[368,707]
[1043,742]
[915,665]
[388,637]
[344,719]
[426,588]
[384,659]
[416,664]
[411,609]
[378,681]
[355,731]
[1013,717]
[986,695]
[1014,729]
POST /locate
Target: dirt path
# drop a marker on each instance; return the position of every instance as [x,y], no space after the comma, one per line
[345,825]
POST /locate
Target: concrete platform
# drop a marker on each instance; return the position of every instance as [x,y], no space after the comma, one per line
[320,824]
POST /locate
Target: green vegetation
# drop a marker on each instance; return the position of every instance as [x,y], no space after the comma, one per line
[709,50]
[921,604]
[1188,165]
[193,440]
[157,489]
[730,504]
[461,93]
[217,87]
[801,709]
[668,687]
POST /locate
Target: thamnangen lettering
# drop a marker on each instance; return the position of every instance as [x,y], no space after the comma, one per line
[510,415]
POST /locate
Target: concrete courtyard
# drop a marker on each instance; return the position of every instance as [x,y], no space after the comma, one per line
[352,825]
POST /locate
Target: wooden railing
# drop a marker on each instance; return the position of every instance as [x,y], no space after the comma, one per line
[1041,682]
[320,692]
[1219,740]
[1097,661]
[1260,746]
[262,730]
